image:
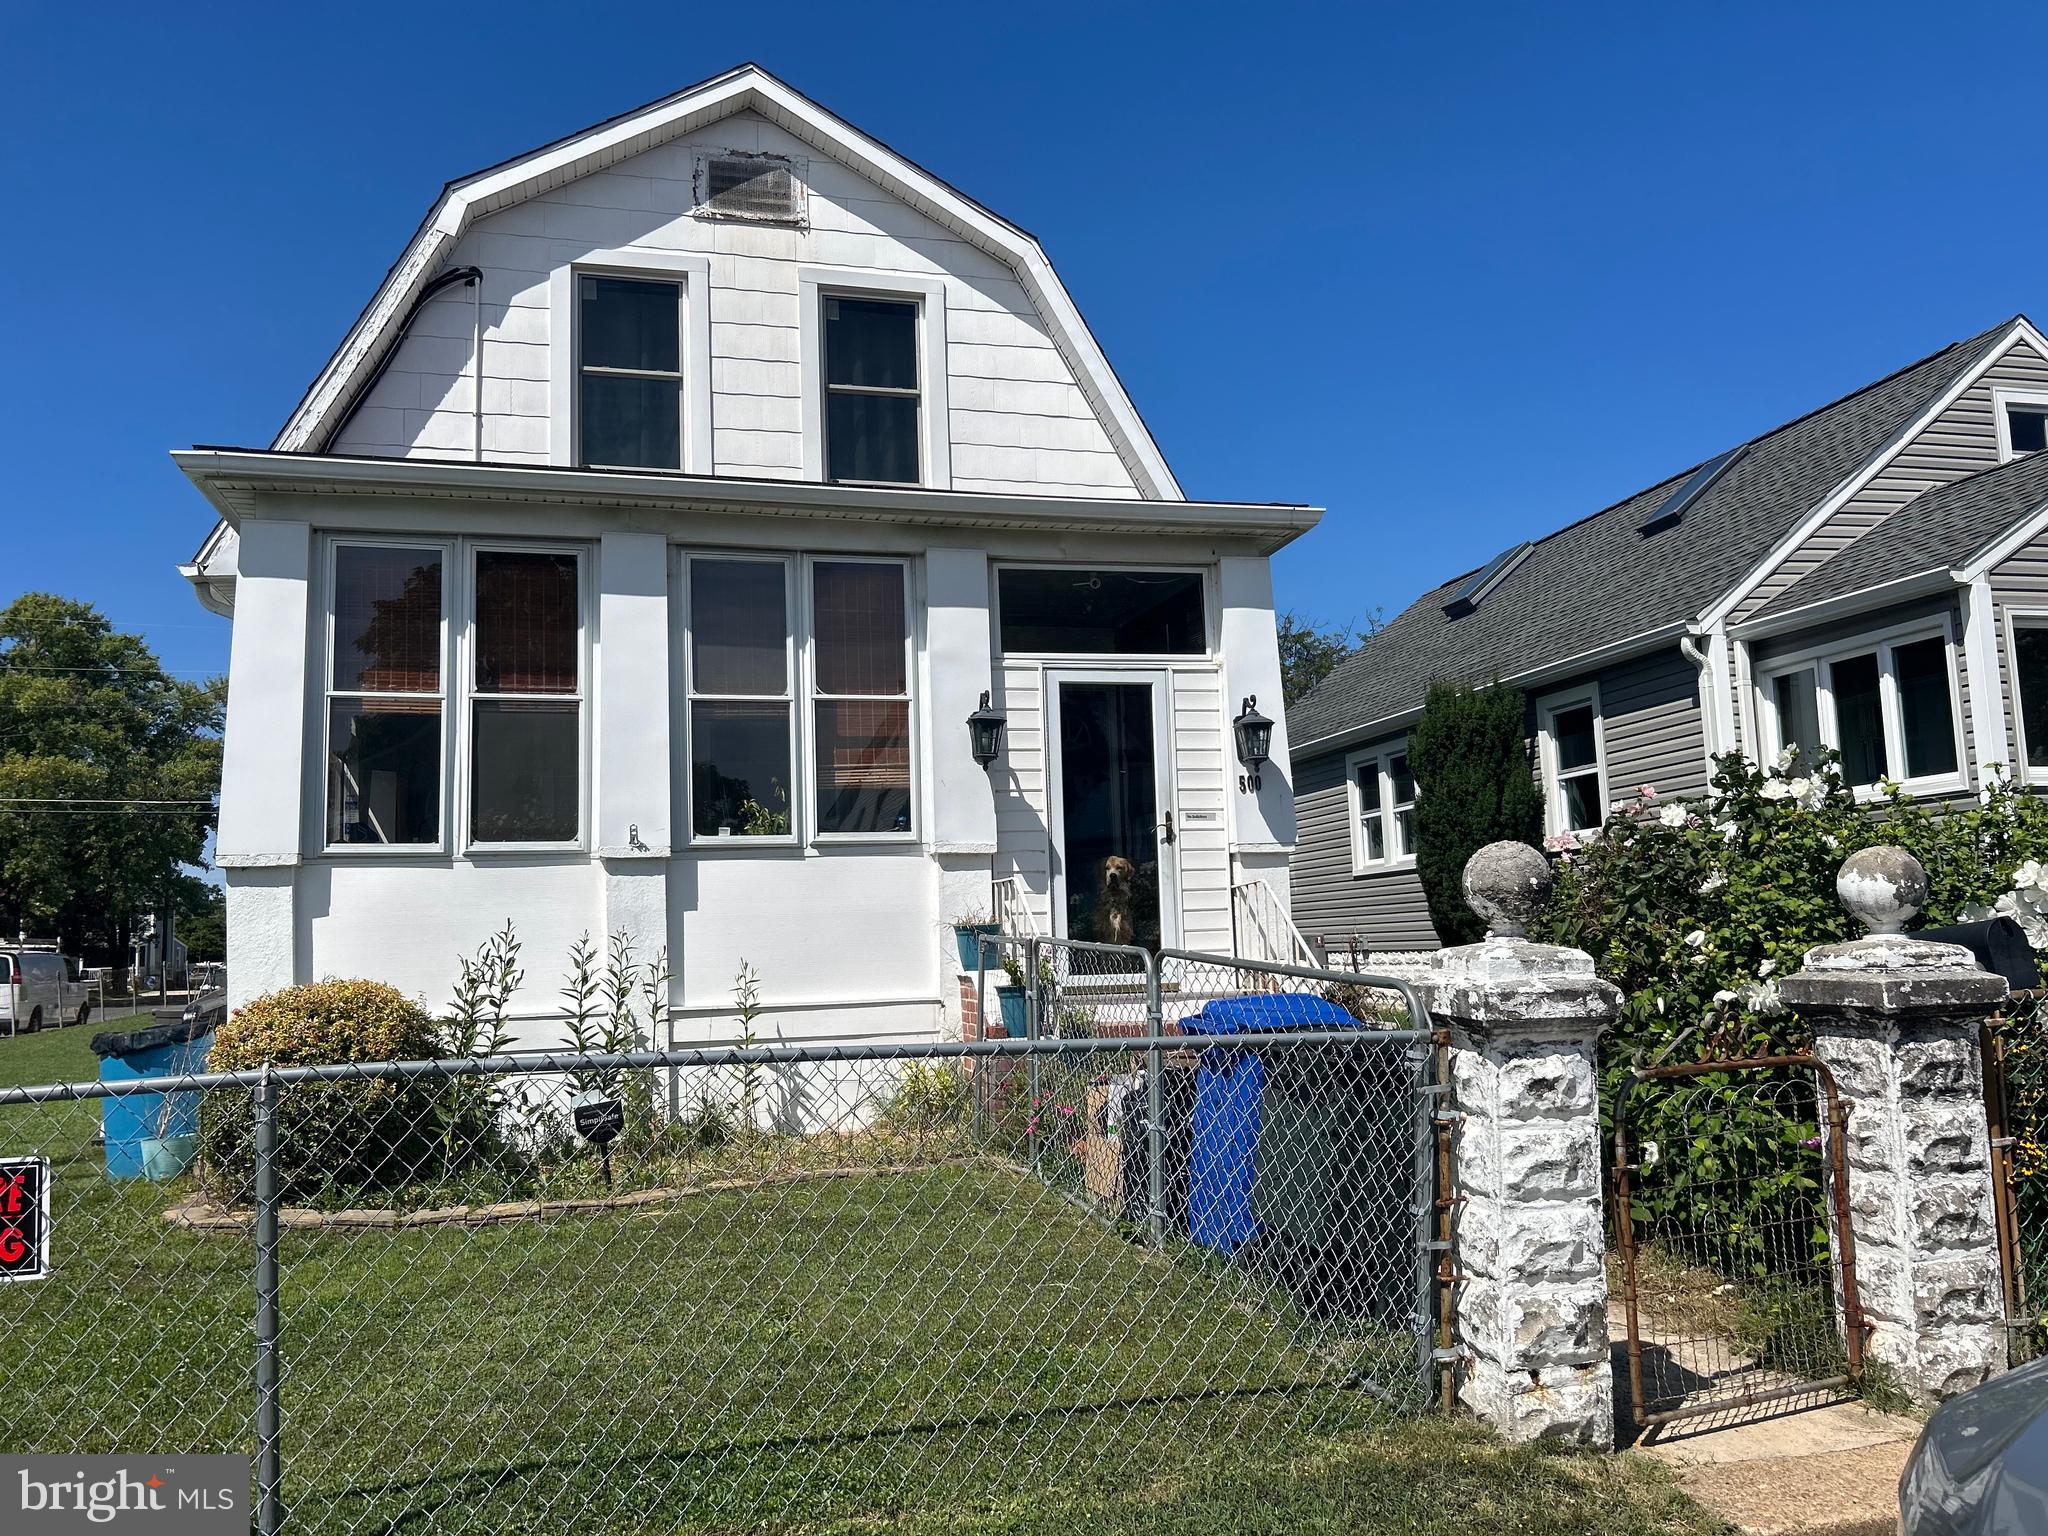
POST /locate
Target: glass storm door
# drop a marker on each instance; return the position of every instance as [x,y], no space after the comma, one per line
[1112,810]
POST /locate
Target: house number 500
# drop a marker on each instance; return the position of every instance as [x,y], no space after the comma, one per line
[1248,783]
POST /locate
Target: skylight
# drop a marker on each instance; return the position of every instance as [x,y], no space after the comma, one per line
[1482,581]
[1696,485]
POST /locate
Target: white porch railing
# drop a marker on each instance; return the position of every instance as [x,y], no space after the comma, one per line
[1262,928]
[1013,913]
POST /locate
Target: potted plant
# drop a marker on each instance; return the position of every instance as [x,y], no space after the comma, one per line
[968,930]
[1010,999]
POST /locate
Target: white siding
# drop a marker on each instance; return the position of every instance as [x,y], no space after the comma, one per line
[1017,420]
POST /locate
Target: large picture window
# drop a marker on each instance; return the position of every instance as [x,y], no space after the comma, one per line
[526,698]
[1079,610]
[385,695]
[1887,704]
[741,699]
[860,685]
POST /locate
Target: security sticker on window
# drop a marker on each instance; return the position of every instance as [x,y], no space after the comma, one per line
[24,1218]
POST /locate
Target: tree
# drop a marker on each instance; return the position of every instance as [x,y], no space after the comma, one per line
[1308,654]
[108,769]
[1474,787]
[202,919]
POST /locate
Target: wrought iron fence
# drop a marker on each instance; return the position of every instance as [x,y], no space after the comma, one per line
[713,1286]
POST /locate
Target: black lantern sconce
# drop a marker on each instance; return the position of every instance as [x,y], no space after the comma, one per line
[1254,743]
[985,728]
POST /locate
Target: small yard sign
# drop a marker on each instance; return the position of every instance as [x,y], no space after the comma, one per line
[24,1218]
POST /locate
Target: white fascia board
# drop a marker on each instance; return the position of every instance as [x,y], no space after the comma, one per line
[231,478]
[1549,671]
[742,89]
[2005,546]
[1841,494]
[1900,589]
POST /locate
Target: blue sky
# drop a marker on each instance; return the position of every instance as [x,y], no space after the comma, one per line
[1459,274]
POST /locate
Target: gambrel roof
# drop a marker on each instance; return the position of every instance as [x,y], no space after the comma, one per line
[1608,580]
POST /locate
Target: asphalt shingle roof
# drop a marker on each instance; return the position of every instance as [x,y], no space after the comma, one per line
[1602,579]
[1943,527]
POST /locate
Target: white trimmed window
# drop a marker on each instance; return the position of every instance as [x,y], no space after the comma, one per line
[2021,416]
[386,688]
[872,349]
[527,667]
[763,770]
[630,393]
[1888,703]
[1381,792]
[1571,753]
[2027,653]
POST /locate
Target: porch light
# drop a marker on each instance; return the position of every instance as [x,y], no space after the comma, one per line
[985,728]
[1254,735]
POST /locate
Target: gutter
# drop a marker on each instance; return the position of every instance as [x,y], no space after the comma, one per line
[1549,671]
[236,481]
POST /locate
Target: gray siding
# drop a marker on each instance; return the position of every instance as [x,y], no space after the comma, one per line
[1961,441]
[1650,720]
[1384,910]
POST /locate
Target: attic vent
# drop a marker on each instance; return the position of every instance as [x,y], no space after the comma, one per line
[1697,484]
[1482,581]
[745,186]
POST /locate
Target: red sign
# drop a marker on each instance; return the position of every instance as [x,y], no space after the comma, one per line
[24,1218]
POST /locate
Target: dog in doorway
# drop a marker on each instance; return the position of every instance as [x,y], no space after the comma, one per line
[1113,921]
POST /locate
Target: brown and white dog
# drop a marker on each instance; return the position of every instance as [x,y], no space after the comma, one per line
[1113,921]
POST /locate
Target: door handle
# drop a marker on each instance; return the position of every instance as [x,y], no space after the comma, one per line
[1169,829]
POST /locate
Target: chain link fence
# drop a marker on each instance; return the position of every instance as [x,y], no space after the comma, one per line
[722,1286]
[2015,1049]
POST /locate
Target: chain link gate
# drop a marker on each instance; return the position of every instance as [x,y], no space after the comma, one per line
[803,1283]
[1731,1217]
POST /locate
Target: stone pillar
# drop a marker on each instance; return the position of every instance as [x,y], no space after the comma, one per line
[1525,1022]
[1895,1020]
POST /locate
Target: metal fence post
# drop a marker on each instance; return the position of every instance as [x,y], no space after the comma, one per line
[1155,1105]
[1031,1007]
[269,1510]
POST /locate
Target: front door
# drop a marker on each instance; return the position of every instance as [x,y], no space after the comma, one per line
[1114,876]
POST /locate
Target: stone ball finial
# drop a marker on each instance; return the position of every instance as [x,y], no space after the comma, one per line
[1884,888]
[1507,884]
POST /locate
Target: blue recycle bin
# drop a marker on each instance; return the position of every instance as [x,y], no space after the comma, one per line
[1230,1090]
[172,1048]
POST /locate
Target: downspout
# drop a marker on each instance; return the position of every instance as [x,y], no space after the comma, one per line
[471,275]
[1690,648]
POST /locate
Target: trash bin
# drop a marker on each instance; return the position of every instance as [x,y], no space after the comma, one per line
[151,1135]
[1230,1090]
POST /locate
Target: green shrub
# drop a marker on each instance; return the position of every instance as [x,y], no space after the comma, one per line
[331,1137]
[930,1096]
[1469,753]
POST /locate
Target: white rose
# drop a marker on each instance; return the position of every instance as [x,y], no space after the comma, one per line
[1697,938]
[1672,816]
[1767,967]
[1776,789]
[1713,883]
[1724,996]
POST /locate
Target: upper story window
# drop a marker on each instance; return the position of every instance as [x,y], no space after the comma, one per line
[872,399]
[1086,611]
[2022,416]
[1887,704]
[526,698]
[629,372]
[384,695]
[1571,753]
[1382,794]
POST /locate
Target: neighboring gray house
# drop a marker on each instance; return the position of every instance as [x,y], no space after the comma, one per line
[1872,577]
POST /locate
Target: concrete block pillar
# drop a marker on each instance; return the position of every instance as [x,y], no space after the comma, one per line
[1525,1022]
[1896,1021]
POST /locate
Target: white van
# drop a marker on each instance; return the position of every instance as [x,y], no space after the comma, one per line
[41,989]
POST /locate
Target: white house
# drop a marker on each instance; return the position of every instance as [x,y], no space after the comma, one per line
[635,564]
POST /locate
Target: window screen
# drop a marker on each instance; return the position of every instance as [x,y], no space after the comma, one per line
[630,406]
[862,696]
[740,703]
[526,740]
[1072,610]
[384,696]
[871,391]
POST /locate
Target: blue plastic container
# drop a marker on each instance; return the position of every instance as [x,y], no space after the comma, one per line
[1230,1088]
[968,936]
[170,1049]
[1011,1005]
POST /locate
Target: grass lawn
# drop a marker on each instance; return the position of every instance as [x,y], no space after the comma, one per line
[951,1348]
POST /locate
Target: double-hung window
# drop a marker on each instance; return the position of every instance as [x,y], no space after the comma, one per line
[526,697]
[860,696]
[385,693]
[1382,795]
[741,665]
[872,397]
[629,372]
[1572,756]
[1886,704]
